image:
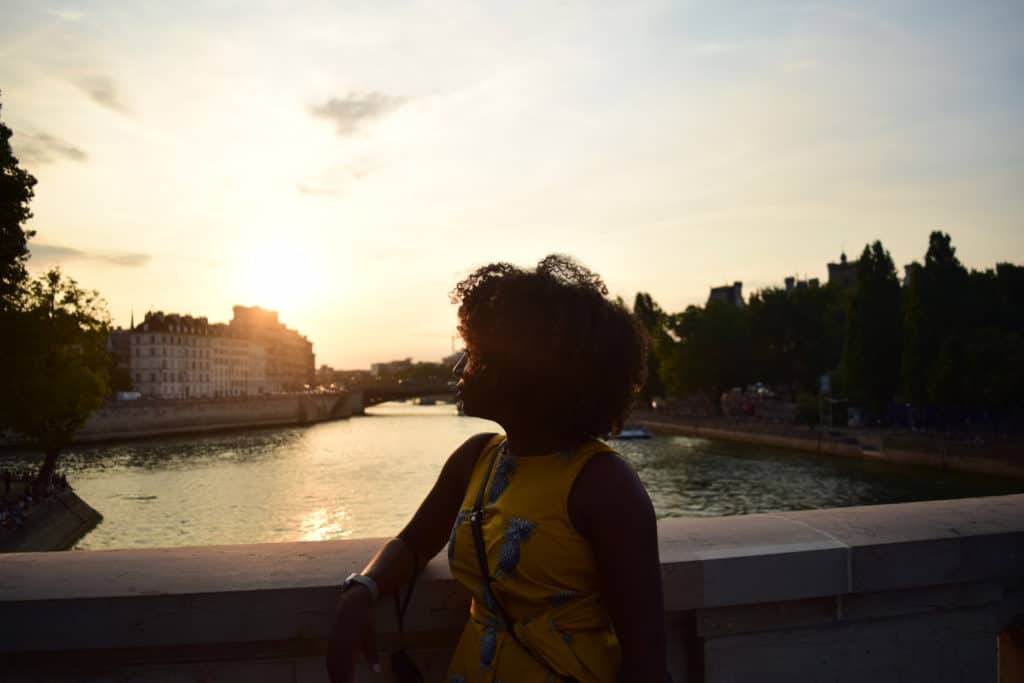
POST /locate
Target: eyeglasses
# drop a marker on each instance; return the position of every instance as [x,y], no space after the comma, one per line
[460,365]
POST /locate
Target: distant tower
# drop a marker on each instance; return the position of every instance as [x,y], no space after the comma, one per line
[843,273]
[732,294]
[132,325]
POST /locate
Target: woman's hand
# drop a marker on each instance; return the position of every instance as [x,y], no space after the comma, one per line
[353,631]
[396,562]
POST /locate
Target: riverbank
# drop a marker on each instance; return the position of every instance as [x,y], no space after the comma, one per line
[54,523]
[1001,461]
[127,420]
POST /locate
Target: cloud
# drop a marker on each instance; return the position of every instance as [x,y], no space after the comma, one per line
[102,91]
[56,252]
[41,148]
[67,14]
[354,110]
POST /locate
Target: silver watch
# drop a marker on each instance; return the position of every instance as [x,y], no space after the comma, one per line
[365,580]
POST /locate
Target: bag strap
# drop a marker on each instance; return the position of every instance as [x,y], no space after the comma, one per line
[402,605]
[476,523]
[403,667]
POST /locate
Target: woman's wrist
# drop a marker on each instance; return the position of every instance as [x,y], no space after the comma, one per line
[393,566]
[355,594]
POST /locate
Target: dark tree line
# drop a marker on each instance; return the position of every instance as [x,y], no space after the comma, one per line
[54,367]
[943,347]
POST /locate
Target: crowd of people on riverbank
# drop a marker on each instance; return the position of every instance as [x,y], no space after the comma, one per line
[17,497]
[781,410]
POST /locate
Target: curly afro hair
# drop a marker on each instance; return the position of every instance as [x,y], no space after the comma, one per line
[565,354]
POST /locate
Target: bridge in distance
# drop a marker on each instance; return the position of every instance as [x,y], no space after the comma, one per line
[383,391]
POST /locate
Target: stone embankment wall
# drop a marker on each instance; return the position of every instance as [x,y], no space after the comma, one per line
[872,446]
[54,524]
[910,592]
[134,419]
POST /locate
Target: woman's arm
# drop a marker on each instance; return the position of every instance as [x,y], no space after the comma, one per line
[610,508]
[431,525]
[430,528]
[394,563]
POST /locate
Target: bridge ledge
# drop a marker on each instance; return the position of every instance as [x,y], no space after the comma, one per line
[741,593]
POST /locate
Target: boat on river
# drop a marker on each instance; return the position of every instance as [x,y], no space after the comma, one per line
[631,432]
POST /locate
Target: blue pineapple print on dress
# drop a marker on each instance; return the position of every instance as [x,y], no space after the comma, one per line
[503,471]
[488,647]
[459,519]
[517,532]
[562,597]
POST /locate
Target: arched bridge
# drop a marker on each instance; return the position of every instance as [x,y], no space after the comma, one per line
[381,392]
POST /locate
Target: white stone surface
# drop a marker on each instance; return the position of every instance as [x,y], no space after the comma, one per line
[904,592]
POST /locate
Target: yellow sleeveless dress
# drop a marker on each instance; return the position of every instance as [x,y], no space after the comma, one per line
[543,574]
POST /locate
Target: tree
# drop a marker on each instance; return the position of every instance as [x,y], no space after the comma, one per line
[652,318]
[871,348]
[120,377]
[914,364]
[425,373]
[712,351]
[60,371]
[936,312]
[795,335]
[15,194]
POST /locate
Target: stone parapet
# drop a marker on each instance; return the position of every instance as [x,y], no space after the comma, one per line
[917,591]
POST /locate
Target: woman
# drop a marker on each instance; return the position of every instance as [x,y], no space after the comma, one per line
[568,585]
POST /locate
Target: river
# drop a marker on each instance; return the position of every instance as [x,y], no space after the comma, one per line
[365,476]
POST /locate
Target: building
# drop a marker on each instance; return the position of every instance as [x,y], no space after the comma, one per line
[792,283]
[843,274]
[180,356]
[119,345]
[380,370]
[732,294]
[289,361]
[910,270]
[172,356]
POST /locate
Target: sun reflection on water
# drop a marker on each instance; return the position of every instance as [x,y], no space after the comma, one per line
[325,525]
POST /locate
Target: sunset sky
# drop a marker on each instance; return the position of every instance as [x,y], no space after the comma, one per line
[348,162]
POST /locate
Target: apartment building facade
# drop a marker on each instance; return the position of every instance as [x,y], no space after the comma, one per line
[181,356]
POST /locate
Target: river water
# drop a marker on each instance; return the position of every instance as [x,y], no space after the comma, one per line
[365,476]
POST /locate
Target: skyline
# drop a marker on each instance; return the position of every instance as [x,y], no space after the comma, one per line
[381,153]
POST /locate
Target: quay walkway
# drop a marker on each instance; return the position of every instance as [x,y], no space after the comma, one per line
[911,592]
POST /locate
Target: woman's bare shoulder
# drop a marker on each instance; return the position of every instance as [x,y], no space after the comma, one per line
[607,485]
[462,460]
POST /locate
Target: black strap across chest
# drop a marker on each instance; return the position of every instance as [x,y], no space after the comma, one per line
[477,524]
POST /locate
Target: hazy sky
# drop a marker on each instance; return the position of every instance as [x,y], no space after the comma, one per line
[348,162]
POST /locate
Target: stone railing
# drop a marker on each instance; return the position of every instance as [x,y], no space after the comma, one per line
[912,592]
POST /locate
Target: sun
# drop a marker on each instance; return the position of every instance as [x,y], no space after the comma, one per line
[281,275]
